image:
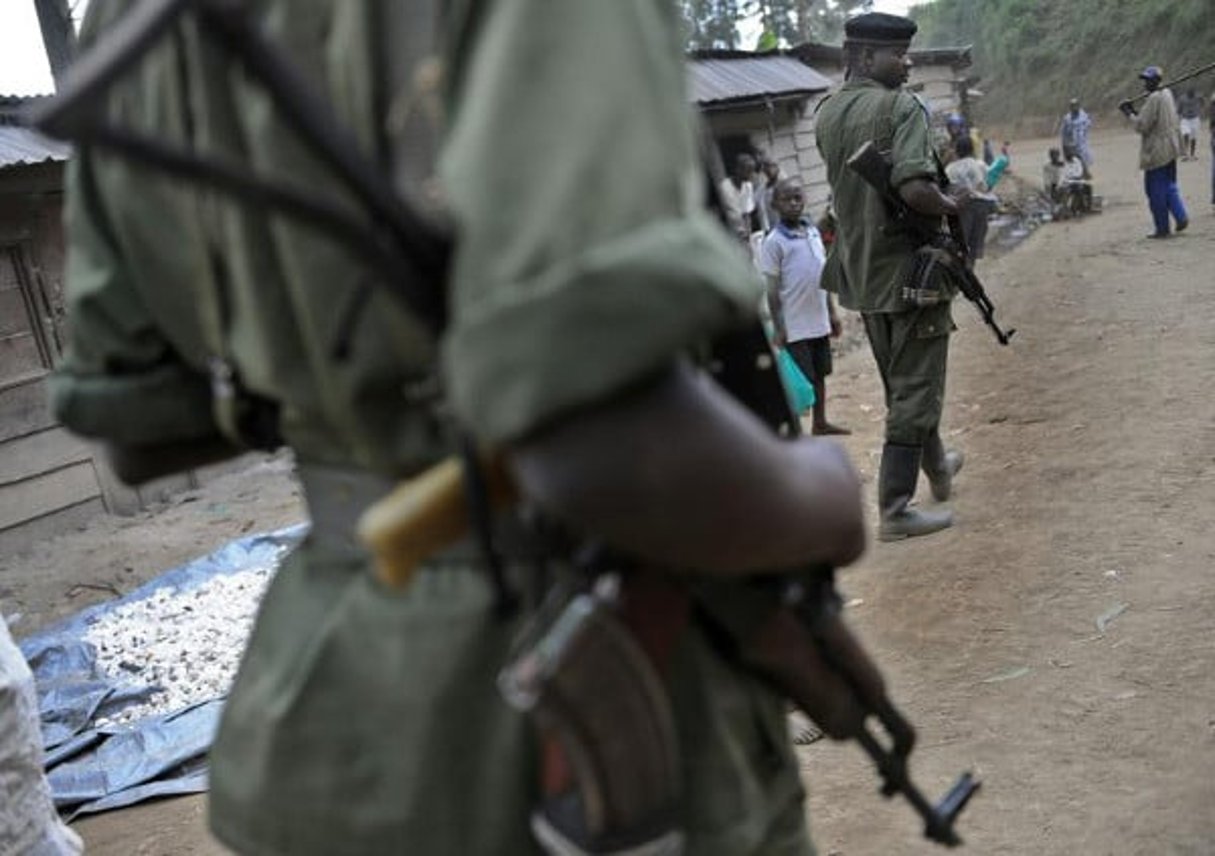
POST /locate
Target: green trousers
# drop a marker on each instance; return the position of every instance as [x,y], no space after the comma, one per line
[365,721]
[911,350]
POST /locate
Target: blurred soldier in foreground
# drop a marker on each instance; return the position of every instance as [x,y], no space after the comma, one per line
[870,266]
[365,720]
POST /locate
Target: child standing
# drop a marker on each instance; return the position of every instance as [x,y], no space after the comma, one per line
[804,317]
[969,172]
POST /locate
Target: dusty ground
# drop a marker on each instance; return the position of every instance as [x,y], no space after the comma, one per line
[1089,488]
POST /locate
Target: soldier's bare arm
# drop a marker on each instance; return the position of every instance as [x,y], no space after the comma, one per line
[680,474]
[925,197]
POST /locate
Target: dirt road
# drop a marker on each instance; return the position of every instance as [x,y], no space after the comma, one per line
[1088,498]
[1088,492]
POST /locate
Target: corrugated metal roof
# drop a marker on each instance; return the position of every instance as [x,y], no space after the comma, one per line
[712,81]
[22,146]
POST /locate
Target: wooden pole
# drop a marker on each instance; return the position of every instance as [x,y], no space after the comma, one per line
[58,35]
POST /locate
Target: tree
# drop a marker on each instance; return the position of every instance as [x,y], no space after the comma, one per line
[58,34]
[822,21]
[711,23]
[714,23]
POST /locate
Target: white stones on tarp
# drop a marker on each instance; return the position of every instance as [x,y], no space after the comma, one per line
[186,643]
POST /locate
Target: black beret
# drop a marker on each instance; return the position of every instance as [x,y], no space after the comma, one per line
[878,28]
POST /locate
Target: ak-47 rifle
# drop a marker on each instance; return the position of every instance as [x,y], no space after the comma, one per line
[946,248]
[625,775]
[1127,105]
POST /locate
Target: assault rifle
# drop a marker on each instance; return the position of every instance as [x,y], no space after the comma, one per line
[788,629]
[1127,105]
[875,169]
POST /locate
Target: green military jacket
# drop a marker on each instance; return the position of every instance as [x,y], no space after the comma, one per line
[865,265]
[364,721]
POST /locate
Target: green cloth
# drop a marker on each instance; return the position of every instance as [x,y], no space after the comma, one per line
[865,265]
[364,722]
[911,350]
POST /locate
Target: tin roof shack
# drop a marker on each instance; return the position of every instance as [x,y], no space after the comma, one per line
[938,75]
[47,477]
[763,101]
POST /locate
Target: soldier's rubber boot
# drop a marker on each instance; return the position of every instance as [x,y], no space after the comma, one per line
[896,486]
[940,466]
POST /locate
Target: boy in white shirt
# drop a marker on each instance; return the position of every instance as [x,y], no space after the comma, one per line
[971,173]
[804,318]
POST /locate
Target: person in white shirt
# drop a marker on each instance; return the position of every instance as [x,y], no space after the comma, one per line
[738,197]
[968,172]
[804,317]
[771,173]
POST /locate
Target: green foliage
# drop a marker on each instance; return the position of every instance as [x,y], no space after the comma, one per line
[1033,55]
[711,23]
[714,23]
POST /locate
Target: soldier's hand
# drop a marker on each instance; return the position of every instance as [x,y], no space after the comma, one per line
[1127,108]
[961,194]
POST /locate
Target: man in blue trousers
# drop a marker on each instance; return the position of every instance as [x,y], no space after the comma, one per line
[1160,145]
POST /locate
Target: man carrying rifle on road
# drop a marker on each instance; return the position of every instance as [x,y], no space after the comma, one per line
[877,269]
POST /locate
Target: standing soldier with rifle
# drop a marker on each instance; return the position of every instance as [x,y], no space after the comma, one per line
[873,266]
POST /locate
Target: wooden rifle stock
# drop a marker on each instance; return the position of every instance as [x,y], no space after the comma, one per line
[426,514]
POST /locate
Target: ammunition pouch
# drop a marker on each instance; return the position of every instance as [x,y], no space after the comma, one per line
[931,277]
[593,687]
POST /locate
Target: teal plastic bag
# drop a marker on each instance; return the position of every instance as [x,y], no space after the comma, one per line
[996,171]
[799,390]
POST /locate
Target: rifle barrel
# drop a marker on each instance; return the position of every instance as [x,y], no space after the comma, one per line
[1189,74]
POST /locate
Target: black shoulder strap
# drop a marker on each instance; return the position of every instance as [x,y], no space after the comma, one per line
[409,252]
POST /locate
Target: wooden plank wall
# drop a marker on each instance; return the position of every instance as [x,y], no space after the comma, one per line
[48,478]
[787,136]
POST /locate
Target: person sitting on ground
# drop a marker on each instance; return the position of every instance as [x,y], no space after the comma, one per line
[804,318]
[1076,183]
[1052,172]
[1052,183]
[1189,111]
[969,174]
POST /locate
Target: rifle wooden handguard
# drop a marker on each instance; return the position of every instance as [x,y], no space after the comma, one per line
[427,514]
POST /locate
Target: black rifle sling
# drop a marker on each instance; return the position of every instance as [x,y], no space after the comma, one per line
[408,252]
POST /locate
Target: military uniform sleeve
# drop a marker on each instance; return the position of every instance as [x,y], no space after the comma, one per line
[911,151]
[120,380]
[585,260]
